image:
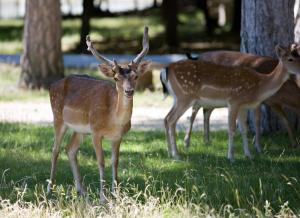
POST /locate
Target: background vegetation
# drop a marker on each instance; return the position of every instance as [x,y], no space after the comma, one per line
[126,32]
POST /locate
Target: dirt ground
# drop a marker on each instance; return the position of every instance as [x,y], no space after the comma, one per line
[143,118]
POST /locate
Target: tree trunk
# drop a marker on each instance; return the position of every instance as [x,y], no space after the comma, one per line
[264,25]
[88,8]
[297,22]
[155,5]
[210,24]
[236,23]
[41,61]
[170,10]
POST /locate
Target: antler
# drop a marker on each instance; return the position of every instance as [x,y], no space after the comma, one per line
[99,57]
[145,50]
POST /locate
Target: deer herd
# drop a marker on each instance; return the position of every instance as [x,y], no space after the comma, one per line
[235,80]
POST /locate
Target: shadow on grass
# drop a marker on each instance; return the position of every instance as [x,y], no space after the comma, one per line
[123,34]
[25,157]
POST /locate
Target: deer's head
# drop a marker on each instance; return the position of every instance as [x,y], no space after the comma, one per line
[125,76]
[289,57]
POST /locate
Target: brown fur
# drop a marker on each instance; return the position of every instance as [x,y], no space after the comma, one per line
[214,85]
[277,102]
[97,107]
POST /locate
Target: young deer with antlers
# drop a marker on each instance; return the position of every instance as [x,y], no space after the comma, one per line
[213,85]
[277,102]
[97,107]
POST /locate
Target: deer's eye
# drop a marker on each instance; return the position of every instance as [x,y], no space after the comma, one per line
[290,59]
[116,79]
[135,77]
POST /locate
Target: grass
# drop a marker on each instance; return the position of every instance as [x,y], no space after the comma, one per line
[9,90]
[126,32]
[152,184]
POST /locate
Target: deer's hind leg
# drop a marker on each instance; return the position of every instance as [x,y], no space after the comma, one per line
[232,115]
[206,116]
[59,131]
[187,137]
[244,130]
[170,124]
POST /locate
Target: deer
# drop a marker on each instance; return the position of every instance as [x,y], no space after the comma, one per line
[277,102]
[92,106]
[213,85]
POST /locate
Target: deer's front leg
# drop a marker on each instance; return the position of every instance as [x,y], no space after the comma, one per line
[115,145]
[97,141]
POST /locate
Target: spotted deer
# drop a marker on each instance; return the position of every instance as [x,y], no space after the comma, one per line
[91,106]
[212,85]
[277,102]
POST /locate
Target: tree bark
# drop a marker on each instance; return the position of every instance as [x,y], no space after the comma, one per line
[170,10]
[236,23]
[155,5]
[88,8]
[41,61]
[264,25]
[297,22]
[210,24]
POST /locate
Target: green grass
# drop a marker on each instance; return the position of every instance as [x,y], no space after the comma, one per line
[203,181]
[126,32]
[9,90]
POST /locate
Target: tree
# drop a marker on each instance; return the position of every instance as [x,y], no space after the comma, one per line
[88,9]
[169,11]
[41,61]
[264,25]
[236,23]
[297,22]
[155,4]
[210,23]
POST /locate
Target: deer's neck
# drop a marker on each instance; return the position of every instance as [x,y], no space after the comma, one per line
[123,108]
[275,80]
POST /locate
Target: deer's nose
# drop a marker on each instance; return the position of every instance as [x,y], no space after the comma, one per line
[129,92]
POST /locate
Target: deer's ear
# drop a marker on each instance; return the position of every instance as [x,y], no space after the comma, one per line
[106,70]
[144,67]
[280,51]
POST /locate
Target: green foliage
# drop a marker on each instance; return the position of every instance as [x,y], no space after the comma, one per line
[122,34]
[203,181]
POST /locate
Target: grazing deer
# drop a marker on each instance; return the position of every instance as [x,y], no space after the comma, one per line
[212,85]
[277,102]
[88,105]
